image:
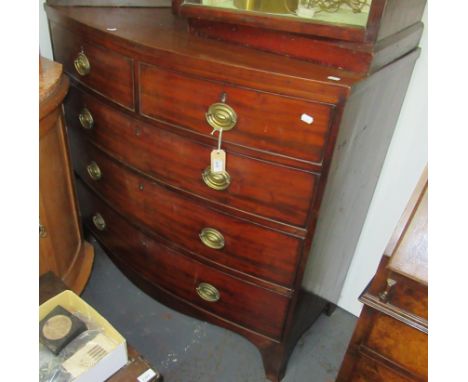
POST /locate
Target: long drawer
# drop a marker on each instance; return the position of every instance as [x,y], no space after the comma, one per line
[226,240]
[273,191]
[237,301]
[278,124]
[108,73]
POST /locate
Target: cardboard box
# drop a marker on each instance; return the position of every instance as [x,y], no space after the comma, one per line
[113,361]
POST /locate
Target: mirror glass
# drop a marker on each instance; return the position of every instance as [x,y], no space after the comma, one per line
[348,12]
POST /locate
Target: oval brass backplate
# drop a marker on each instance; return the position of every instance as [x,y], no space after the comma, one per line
[221,116]
[82,65]
[212,238]
[94,171]
[86,119]
[216,180]
[208,292]
[99,222]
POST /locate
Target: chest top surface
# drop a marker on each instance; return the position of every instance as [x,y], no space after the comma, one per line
[150,29]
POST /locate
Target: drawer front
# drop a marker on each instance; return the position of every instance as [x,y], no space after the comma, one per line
[368,370]
[243,303]
[248,247]
[400,343]
[268,122]
[110,73]
[256,186]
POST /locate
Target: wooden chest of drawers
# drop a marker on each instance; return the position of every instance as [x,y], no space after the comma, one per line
[229,247]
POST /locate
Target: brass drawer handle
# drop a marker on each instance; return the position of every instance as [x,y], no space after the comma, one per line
[99,222]
[94,171]
[212,238]
[216,180]
[208,292]
[42,231]
[384,296]
[86,119]
[82,65]
[221,116]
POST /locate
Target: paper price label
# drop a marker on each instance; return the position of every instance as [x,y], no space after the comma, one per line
[218,161]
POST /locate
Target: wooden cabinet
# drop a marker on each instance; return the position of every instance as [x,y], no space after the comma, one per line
[147,100]
[390,342]
[62,249]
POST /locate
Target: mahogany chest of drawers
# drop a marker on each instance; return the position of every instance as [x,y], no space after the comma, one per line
[229,247]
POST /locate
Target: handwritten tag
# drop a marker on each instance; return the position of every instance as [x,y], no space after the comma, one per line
[218,161]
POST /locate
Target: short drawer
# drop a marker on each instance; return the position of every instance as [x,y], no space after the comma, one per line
[274,123]
[277,192]
[226,240]
[232,299]
[106,72]
[399,343]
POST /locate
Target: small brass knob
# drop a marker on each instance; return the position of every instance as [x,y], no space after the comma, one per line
[216,180]
[385,295]
[208,292]
[221,116]
[86,119]
[82,65]
[94,171]
[99,222]
[212,238]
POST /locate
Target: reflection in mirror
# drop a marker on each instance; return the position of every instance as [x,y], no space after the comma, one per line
[352,12]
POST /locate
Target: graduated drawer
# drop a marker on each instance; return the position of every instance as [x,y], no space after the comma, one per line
[240,302]
[266,189]
[248,248]
[265,121]
[110,73]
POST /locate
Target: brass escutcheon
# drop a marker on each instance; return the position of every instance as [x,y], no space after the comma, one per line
[94,171]
[216,180]
[208,292]
[82,64]
[99,222]
[212,238]
[221,116]
[86,119]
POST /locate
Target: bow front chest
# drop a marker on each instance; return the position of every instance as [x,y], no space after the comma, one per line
[147,103]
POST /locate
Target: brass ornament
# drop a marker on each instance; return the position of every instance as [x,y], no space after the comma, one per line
[216,180]
[86,119]
[208,292]
[82,65]
[221,116]
[57,327]
[94,171]
[212,238]
[99,222]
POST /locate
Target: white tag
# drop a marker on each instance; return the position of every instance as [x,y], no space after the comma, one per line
[218,161]
[147,375]
[333,78]
[307,118]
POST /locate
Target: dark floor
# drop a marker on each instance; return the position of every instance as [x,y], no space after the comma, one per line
[184,349]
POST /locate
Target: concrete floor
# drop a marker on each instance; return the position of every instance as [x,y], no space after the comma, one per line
[185,349]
